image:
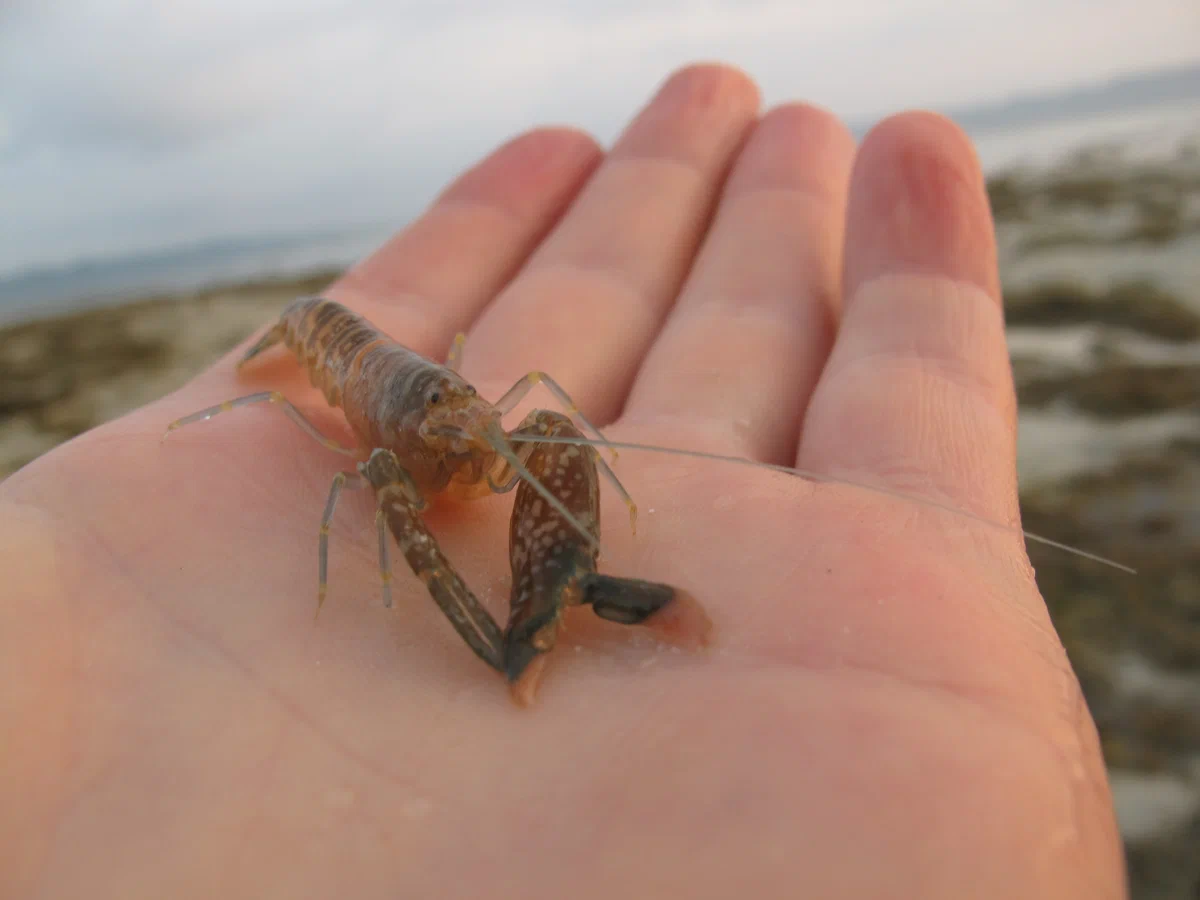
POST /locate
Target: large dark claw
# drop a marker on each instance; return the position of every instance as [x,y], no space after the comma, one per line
[671,613]
[628,601]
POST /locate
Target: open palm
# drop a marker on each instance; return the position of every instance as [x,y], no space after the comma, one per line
[885,711]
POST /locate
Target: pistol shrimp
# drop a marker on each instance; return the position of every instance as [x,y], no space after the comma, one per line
[428,431]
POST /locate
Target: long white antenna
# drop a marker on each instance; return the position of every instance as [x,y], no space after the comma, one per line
[826,479]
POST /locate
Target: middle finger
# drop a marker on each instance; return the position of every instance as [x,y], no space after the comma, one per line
[590,300]
[748,338]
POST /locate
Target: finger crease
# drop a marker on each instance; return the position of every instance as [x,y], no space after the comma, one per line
[670,162]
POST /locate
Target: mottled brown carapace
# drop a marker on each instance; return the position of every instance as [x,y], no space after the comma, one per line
[393,398]
[424,430]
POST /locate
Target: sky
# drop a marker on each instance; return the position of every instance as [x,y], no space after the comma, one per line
[128,125]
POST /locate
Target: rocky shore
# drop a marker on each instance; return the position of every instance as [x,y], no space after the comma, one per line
[1100,260]
[62,375]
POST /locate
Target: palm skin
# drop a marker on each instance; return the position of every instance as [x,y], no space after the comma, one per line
[885,711]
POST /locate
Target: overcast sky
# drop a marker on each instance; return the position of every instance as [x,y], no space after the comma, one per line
[129,124]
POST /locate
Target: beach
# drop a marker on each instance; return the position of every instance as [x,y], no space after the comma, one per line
[1100,263]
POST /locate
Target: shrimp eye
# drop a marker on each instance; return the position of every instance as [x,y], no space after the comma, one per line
[433,399]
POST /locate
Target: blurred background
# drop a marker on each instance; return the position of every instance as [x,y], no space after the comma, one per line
[170,175]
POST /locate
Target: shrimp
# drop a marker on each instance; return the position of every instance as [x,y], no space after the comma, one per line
[553,570]
[426,430]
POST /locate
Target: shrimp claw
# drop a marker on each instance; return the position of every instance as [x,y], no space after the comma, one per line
[553,570]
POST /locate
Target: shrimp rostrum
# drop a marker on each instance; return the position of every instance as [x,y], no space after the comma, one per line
[426,431]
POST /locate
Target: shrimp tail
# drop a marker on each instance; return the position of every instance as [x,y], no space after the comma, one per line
[274,335]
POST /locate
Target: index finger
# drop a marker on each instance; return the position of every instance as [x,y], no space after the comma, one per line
[918,389]
[434,276]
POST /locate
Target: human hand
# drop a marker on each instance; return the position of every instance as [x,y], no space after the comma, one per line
[886,710]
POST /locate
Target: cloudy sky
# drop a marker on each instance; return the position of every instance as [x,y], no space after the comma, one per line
[130,124]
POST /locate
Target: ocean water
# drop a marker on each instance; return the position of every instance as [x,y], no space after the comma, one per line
[46,291]
[1147,131]
[1153,132]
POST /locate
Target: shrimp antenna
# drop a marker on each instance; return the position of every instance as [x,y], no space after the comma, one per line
[825,479]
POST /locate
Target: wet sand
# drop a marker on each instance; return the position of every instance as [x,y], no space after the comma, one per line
[1100,260]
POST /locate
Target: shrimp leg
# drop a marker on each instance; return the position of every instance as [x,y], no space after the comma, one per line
[272,397]
[343,480]
[454,357]
[399,505]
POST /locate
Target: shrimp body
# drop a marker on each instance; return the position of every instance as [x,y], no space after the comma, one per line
[393,398]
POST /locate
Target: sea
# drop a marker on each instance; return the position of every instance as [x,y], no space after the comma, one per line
[1020,134]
